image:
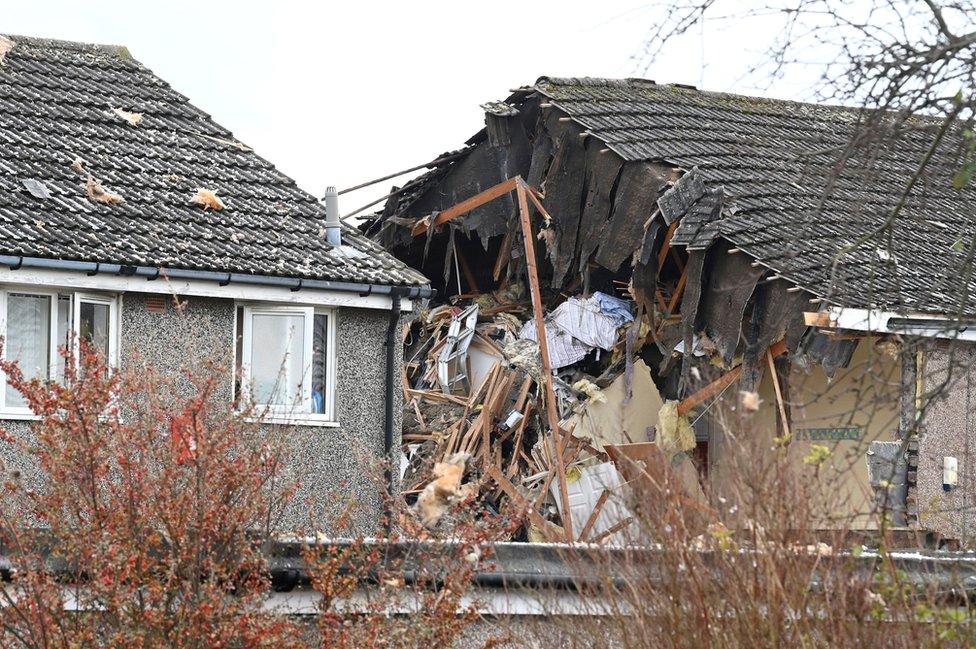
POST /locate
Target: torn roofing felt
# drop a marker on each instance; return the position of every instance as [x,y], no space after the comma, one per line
[773,161]
[70,111]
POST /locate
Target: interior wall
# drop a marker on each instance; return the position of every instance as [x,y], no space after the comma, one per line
[845,413]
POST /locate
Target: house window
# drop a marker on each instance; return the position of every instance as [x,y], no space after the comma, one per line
[36,325]
[286,360]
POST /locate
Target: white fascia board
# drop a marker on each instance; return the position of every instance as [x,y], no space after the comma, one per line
[877,321]
[190,287]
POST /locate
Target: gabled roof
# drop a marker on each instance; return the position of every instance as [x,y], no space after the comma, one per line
[774,160]
[61,102]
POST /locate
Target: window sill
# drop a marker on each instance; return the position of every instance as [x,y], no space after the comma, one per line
[298,420]
[19,416]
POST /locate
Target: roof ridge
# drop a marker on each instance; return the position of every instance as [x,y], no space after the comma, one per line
[78,46]
[846,112]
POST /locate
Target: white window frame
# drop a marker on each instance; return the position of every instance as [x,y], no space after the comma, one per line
[300,413]
[24,412]
[112,302]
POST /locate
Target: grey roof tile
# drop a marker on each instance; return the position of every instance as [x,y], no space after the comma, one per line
[56,104]
[774,160]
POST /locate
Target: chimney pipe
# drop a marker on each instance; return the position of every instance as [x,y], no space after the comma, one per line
[333,228]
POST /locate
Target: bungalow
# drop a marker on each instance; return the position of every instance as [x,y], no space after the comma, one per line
[829,285]
[118,193]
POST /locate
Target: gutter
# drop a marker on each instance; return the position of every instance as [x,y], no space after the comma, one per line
[16,262]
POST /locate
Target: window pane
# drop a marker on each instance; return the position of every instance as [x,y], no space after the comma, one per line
[64,333]
[320,373]
[28,338]
[277,358]
[94,326]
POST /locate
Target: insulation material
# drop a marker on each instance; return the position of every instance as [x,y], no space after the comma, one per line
[674,431]
[591,390]
[444,490]
[207,199]
[617,420]
[131,118]
[97,193]
[584,494]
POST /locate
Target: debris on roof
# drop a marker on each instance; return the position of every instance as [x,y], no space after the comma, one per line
[99,194]
[37,188]
[6,44]
[131,118]
[207,199]
[78,164]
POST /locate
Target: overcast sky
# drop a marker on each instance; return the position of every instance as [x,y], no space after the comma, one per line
[345,93]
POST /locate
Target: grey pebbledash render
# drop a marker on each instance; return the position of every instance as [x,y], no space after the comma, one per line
[118,194]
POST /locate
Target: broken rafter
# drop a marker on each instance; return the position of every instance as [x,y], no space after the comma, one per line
[547,528]
[530,263]
[666,246]
[465,206]
[780,403]
[722,382]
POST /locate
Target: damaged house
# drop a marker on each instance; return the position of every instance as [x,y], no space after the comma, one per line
[690,250]
[118,194]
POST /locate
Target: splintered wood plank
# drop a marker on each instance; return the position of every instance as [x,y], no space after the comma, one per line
[528,239]
[550,530]
[591,521]
[780,403]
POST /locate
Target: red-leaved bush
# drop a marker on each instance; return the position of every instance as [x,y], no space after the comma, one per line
[146,512]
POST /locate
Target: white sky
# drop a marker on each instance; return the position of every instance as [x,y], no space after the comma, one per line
[340,93]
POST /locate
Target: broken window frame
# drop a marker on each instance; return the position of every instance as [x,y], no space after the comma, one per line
[300,410]
[55,368]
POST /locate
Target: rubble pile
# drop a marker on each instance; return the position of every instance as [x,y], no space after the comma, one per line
[475,413]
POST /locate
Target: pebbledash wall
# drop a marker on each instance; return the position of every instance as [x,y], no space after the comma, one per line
[337,467]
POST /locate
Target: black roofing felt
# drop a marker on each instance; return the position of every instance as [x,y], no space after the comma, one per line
[56,105]
[774,158]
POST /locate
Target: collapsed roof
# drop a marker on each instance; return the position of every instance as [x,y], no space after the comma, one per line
[782,187]
[70,112]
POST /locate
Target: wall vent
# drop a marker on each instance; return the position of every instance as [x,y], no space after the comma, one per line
[156,304]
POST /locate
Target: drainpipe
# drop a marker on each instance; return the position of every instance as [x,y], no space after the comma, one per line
[389,422]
